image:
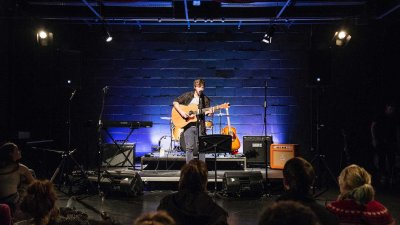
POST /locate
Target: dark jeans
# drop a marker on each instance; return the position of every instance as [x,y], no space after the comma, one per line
[191,144]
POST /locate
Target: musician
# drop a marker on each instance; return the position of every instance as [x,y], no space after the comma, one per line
[190,132]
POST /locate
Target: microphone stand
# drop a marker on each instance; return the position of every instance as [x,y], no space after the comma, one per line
[198,122]
[267,181]
[100,141]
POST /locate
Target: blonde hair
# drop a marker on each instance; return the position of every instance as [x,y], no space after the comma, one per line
[355,183]
[199,82]
[155,218]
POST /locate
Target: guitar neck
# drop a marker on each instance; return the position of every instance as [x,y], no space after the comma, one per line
[228,119]
[213,107]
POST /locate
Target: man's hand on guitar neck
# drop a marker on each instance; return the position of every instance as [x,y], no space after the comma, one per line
[210,112]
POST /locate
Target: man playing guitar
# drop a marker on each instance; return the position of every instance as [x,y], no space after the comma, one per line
[190,131]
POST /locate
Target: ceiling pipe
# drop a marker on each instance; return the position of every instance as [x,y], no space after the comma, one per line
[187,14]
[92,9]
[283,9]
[388,12]
[239,22]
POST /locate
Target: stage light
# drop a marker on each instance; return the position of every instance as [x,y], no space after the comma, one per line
[108,37]
[42,34]
[341,37]
[44,38]
[268,35]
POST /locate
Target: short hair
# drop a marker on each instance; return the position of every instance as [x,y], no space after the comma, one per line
[40,201]
[155,218]
[194,176]
[199,82]
[288,213]
[355,183]
[5,150]
[299,174]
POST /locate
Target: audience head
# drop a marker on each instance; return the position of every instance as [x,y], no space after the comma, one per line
[194,176]
[155,218]
[40,201]
[288,213]
[298,176]
[9,153]
[355,183]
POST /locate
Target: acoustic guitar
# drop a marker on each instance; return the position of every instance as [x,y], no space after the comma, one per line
[191,110]
[229,130]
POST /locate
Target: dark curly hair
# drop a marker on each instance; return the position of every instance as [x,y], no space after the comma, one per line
[40,202]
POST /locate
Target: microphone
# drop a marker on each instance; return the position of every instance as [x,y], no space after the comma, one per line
[266,83]
[105,89]
[72,95]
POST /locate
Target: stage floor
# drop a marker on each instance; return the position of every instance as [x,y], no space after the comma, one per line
[242,211]
[160,181]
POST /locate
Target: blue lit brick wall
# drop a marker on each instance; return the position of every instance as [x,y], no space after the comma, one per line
[146,71]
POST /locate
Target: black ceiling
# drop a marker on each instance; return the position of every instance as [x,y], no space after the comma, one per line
[208,12]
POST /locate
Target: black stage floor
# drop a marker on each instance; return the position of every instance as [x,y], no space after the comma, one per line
[160,180]
[242,211]
[159,183]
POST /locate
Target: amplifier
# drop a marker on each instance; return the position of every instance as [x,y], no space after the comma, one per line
[256,149]
[281,153]
[118,157]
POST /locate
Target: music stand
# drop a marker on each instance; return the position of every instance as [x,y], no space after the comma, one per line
[217,143]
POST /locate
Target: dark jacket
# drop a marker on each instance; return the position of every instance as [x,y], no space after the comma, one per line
[188,208]
[324,216]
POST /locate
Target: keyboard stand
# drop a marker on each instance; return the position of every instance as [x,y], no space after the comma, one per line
[120,150]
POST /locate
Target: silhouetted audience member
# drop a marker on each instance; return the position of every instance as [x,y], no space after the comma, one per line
[288,213]
[385,133]
[298,177]
[40,204]
[191,204]
[155,218]
[356,204]
[11,173]
[5,214]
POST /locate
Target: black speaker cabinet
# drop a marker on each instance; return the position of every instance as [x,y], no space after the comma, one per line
[256,149]
[243,183]
[129,183]
[118,157]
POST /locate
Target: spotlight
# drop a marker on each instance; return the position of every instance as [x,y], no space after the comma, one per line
[341,37]
[42,34]
[44,38]
[108,37]
[268,35]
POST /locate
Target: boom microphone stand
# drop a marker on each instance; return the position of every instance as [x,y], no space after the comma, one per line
[67,157]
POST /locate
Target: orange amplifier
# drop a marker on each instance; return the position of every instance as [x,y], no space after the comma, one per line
[280,154]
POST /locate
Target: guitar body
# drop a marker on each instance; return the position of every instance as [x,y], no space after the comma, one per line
[235,139]
[178,120]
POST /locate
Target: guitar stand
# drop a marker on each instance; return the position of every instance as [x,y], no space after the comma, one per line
[217,143]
